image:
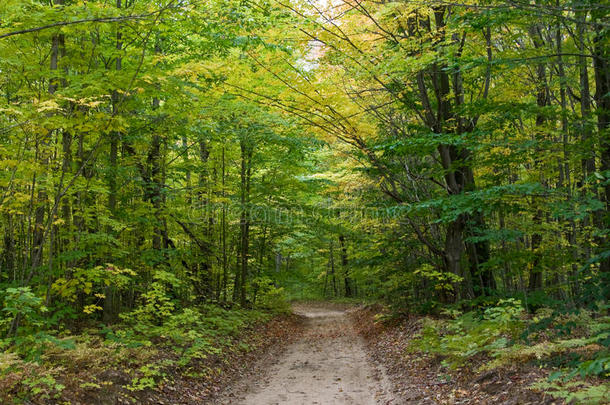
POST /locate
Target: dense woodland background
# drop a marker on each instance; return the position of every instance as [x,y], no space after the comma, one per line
[160,156]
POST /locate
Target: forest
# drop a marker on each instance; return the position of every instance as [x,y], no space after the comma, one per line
[176,175]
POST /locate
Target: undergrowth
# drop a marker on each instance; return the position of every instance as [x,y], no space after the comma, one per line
[574,346]
[144,350]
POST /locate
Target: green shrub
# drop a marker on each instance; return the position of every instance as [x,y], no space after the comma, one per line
[270,297]
[21,307]
[576,342]
[578,392]
[472,333]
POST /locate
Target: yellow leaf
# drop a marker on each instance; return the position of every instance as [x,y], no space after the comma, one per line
[48,105]
[89,309]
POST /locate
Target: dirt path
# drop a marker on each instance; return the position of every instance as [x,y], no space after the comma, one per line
[328,365]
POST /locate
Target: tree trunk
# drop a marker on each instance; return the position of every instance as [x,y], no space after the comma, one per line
[344,264]
[261,255]
[246,171]
[111,308]
[588,160]
[237,281]
[154,186]
[332,268]
[542,100]
[8,253]
[224,230]
[601,65]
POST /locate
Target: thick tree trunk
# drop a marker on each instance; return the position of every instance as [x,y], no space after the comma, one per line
[458,175]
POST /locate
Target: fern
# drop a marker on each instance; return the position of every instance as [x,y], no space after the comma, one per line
[575,392]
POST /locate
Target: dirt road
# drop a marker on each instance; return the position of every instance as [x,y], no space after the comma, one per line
[328,365]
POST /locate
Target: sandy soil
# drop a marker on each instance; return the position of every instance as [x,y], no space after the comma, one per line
[328,365]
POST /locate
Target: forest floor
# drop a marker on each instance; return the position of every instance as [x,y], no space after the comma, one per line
[327,365]
[422,380]
[97,371]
